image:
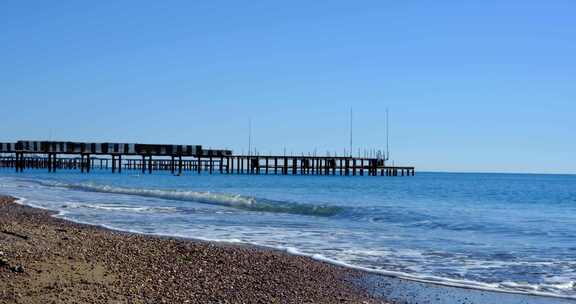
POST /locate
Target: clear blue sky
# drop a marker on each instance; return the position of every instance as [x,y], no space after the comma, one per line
[472,85]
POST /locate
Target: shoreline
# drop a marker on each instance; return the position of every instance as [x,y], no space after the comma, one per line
[345,284]
[46,258]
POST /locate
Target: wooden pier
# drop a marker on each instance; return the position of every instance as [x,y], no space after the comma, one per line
[178,159]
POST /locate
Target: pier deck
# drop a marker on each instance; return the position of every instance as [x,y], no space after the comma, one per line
[178,159]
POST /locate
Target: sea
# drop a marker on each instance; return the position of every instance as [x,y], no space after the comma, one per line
[513,233]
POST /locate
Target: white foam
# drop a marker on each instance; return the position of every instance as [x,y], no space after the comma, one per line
[25,202]
[205,197]
[114,207]
[537,290]
[211,198]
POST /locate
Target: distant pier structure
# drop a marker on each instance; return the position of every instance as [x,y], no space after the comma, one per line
[146,158]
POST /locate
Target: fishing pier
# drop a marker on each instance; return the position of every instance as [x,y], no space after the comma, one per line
[177,159]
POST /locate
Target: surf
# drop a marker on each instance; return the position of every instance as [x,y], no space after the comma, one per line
[237,201]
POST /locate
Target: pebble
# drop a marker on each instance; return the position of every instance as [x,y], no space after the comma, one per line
[17,269]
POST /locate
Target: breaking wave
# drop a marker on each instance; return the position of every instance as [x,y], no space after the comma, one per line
[221,199]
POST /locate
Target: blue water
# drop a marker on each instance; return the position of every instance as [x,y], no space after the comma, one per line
[513,233]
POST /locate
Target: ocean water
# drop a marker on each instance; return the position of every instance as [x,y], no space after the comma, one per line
[506,232]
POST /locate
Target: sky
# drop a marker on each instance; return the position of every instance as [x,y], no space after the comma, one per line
[471,85]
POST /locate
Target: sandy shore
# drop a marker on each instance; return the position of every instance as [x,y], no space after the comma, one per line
[49,260]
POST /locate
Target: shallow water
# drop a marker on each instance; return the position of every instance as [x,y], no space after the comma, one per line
[490,231]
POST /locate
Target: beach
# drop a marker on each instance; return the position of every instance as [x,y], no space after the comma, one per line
[50,260]
[46,259]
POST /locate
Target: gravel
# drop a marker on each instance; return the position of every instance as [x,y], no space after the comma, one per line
[44,259]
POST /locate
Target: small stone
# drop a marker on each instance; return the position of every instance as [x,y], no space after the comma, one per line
[17,269]
[3,262]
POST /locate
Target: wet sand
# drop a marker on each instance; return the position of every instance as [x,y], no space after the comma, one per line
[410,292]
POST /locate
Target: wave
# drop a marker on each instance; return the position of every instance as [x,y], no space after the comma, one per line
[552,290]
[221,199]
[114,207]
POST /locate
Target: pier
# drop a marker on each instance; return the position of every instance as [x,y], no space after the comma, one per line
[178,159]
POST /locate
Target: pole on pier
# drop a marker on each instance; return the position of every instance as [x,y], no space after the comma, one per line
[180,164]
[113,163]
[150,164]
[351,118]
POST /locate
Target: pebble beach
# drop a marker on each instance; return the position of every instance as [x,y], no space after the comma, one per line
[44,259]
